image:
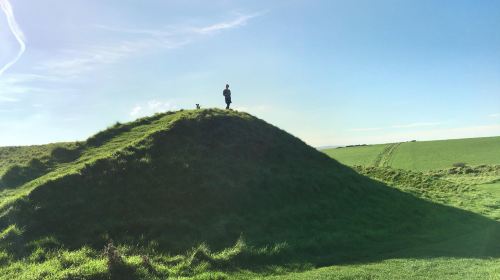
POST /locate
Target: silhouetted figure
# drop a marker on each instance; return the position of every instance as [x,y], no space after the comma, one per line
[198,106]
[227,95]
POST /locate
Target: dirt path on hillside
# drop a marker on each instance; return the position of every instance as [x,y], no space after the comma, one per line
[384,158]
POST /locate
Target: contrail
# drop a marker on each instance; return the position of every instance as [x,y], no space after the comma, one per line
[16,30]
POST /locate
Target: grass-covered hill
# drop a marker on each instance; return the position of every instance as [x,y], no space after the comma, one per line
[23,155]
[244,189]
[422,156]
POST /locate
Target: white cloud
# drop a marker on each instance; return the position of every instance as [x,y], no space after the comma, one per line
[135,111]
[254,109]
[8,99]
[177,30]
[496,115]
[241,20]
[366,129]
[71,119]
[24,78]
[418,124]
[18,84]
[6,7]
[151,107]
[167,31]
[72,63]
[396,126]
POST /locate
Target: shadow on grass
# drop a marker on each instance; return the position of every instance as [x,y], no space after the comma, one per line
[218,178]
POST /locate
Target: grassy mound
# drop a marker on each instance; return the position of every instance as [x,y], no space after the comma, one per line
[166,184]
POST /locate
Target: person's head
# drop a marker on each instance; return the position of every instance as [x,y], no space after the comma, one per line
[227,85]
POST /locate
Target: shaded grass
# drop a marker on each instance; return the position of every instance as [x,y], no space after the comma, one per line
[196,180]
[259,201]
[457,190]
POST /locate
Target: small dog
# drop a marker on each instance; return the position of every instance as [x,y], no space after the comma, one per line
[198,106]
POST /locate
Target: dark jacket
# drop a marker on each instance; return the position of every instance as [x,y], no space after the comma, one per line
[227,95]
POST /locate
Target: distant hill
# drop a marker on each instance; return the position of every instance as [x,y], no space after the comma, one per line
[165,184]
[421,156]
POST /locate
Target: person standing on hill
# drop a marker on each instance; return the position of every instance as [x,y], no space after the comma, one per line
[227,95]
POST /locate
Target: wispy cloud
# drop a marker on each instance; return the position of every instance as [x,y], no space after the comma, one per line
[495,115]
[166,31]
[176,30]
[136,111]
[241,20]
[364,129]
[74,62]
[151,107]
[417,124]
[255,109]
[17,84]
[8,99]
[16,30]
[397,126]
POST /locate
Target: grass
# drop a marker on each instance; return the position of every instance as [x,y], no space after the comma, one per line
[422,156]
[22,155]
[433,268]
[493,188]
[360,155]
[443,154]
[461,190]
[213,194]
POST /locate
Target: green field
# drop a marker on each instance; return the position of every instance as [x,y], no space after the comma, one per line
[423,156]
[432,268]
[212,194]
[362,155]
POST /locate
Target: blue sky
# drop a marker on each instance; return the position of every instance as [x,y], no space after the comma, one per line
[330,72]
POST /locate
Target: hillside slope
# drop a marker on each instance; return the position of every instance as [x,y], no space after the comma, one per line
[22,155]
[425,155]
[168,183]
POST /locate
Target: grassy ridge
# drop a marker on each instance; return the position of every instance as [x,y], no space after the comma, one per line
[222,194]
[145,171]
[423,156]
